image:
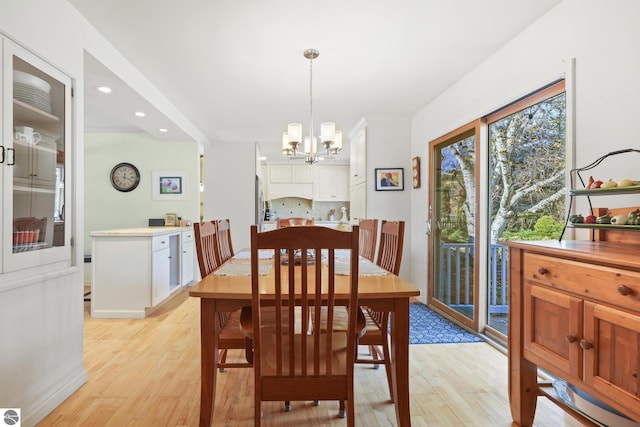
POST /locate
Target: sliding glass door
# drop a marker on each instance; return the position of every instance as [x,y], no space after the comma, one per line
[526,185]
[453,266]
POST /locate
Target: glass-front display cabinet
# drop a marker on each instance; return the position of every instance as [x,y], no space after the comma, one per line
[35,154]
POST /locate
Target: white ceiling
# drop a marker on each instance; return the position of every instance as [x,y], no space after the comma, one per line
[236,69]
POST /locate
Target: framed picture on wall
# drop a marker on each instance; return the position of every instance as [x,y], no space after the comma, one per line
[169,185]
[389,179]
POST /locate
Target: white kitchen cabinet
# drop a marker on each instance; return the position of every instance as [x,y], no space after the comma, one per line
[291,174]
[36,117]
[279,174]
[358,202]
[331,184]
[137,269]
[290,181]
[302,173]
[358,155]
[187,270]
[160,268]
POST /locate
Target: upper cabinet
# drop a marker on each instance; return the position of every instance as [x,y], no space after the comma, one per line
[331,183]
[290,181]
[36,123]
[358,155]
[286,174]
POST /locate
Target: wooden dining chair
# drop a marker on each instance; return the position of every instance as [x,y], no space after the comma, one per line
[302,356]
[368,238]
[295,222]
[376,335]
[225,248]
[231,336]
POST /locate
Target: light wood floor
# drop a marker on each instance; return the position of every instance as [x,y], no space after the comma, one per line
[146,372]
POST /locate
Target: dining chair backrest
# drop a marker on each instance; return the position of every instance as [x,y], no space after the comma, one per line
[368,238]
[225,248]
[295,222]
[304,354]
[391,243]
[206,246]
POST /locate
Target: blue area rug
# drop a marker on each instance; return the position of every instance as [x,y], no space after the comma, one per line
[428,327]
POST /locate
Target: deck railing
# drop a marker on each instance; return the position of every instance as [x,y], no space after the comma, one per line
[456,259]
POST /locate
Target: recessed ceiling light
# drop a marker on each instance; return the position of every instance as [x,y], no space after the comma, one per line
[104,89]
[163,130]
[139,113]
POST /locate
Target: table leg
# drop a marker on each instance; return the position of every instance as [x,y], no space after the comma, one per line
[400,360]
[209,360]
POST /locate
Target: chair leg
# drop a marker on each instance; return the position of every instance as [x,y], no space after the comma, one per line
[222,358]
[287,406]
[342,412]
[257,415]
[316,403]
[387,365]
[248,350]
[375,354]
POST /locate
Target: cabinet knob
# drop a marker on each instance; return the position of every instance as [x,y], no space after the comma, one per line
[624,290]
[586,345]
[542,270]
[570,338]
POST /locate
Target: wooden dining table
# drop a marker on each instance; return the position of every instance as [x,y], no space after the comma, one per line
[227,292]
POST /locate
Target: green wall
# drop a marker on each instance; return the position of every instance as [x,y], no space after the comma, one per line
[106,208]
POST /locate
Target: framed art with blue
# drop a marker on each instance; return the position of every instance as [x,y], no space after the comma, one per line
[389,179]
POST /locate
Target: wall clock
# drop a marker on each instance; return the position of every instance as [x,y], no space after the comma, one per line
[415,168]
[125,177]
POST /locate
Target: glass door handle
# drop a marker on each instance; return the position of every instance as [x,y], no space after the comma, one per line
[13,158]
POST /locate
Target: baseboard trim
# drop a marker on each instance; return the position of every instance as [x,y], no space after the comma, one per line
[49,402]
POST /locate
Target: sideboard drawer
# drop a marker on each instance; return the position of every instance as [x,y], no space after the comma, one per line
[618,287]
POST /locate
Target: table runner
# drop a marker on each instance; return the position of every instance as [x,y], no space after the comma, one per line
[242,269]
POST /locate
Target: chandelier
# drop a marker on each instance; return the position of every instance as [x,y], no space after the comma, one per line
[330,138]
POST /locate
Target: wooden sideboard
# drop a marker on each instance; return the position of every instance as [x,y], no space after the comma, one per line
[575,313]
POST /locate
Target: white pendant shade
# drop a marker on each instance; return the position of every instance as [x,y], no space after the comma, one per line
[327,131]
[295,132]
[310,145]
[337,141]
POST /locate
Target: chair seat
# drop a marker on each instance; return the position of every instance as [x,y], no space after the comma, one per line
[268,316]
[231,335]
[341,320]
[373,330]
[338,346]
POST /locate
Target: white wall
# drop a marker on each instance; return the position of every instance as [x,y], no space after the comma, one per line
[106,208]
[229,187]
[388,146]
[603,39]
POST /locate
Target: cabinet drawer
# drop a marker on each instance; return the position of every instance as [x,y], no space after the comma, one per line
[187,236]
[160,242]
[614,286]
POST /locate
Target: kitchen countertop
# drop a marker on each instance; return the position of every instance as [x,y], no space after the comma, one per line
[138,232]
